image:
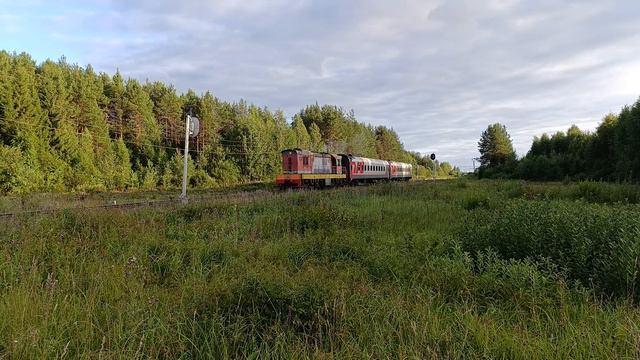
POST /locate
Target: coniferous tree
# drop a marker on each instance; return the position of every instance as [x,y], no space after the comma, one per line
[123,176]
[315,138]
[302,138]
[114,90]
[495,146]
[141,130]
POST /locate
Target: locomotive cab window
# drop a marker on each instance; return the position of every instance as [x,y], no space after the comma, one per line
[305,161]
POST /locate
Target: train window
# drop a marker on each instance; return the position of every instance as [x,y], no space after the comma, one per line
[305,160]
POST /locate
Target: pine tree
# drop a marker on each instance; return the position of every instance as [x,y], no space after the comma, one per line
[86,164]
[388,144]
[167,110]
[114,90]
[88,94]
[315,138]
[8,129]
[302,138]
[495,146]
[141,130]
[32,129]
[123,176]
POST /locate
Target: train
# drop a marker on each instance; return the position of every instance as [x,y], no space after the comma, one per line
[305,168]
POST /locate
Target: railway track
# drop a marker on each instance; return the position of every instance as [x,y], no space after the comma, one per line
[145,203]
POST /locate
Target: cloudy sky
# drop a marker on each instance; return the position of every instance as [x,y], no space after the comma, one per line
[437,71]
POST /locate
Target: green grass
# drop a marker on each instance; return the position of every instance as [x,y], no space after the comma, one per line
[455,269]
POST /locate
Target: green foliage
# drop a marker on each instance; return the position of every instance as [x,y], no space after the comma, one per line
[495,146]
[149,178]
[315,138]
[226,173]
[17,173]
[81,131]
[372,272]
[610,153]
[598,245]
[122,176]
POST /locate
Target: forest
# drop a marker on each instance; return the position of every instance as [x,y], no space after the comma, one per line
[610,153]
[64,127]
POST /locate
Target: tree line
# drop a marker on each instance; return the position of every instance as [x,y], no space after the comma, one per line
[610,153]
[68,128]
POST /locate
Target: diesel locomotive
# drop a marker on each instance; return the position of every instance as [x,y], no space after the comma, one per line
[301,168]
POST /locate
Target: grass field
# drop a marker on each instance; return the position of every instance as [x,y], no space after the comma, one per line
[452,269]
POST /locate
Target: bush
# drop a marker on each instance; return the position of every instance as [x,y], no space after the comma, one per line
[227,173]
[595,244]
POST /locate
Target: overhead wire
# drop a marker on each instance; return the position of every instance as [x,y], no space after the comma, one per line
[94,136]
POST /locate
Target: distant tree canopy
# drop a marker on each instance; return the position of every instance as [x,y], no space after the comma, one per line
[68,128]
[610,153]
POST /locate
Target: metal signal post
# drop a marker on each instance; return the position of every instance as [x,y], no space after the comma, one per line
[192,128]
[433,159]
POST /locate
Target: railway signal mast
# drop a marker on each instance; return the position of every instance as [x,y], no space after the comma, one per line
[192,128]
[433,159]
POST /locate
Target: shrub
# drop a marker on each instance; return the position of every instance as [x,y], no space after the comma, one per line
[596,244]
[476,201]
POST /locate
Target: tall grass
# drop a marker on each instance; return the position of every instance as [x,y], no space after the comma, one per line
[368,272]
[598,245]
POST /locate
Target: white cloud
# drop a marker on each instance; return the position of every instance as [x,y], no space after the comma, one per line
[437,71]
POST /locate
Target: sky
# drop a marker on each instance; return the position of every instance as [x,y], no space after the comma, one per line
[436,71]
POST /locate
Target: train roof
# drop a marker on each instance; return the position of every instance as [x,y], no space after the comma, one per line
[307,152]
[375,160]
[366,159]
[399,163]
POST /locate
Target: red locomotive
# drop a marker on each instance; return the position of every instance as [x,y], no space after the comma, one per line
[308,168]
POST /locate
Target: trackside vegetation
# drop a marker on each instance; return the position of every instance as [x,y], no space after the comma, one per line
[609,153]
[66,128]
[452,269]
